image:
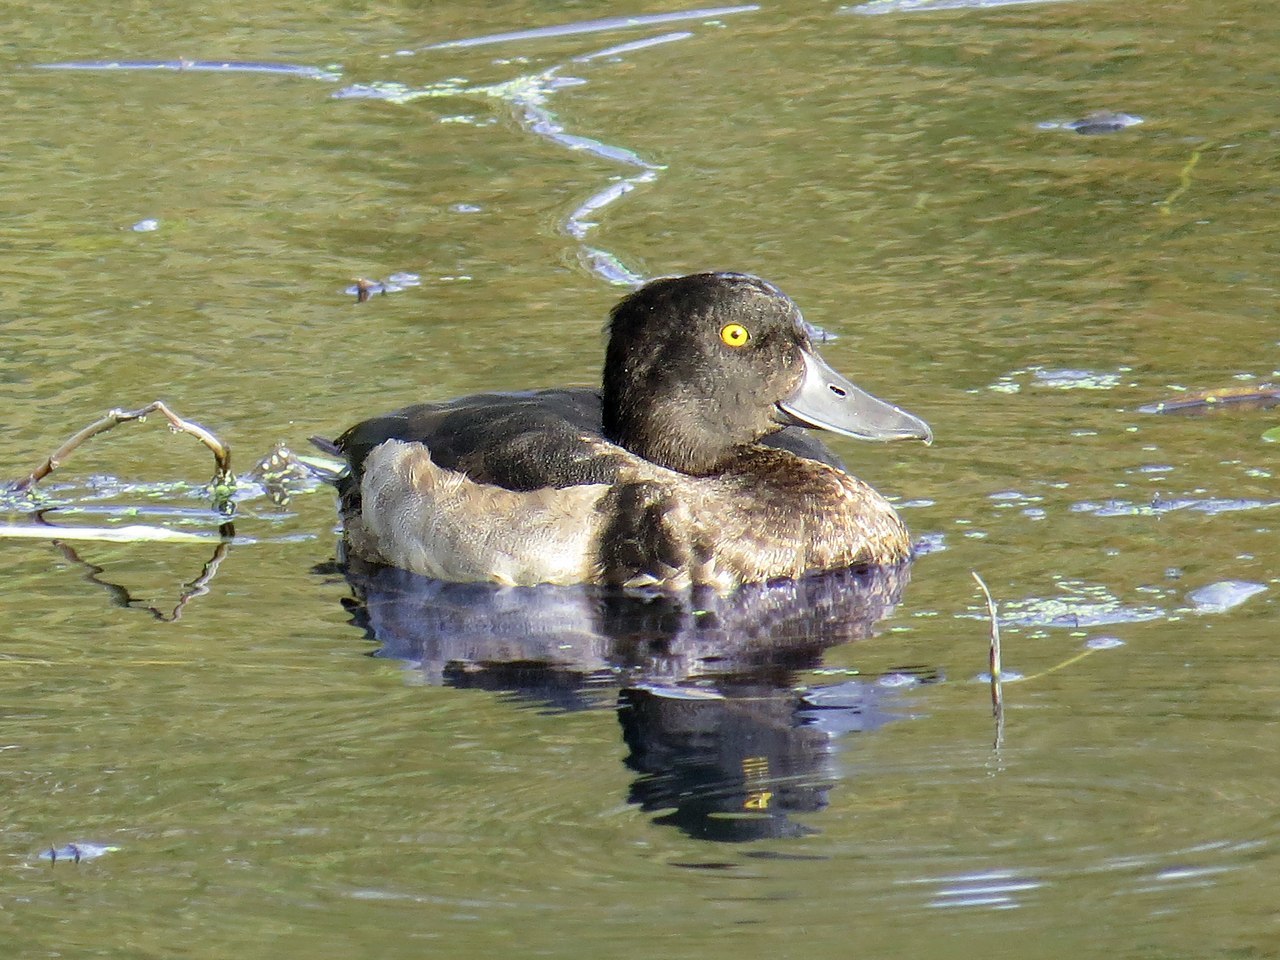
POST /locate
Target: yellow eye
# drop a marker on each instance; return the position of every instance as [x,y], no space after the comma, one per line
[734,335]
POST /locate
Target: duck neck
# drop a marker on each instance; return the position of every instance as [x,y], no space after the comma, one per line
[669,434]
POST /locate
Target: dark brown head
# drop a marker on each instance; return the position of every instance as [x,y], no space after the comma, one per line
[698,366]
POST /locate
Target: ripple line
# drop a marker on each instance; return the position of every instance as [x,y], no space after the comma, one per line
[592,26]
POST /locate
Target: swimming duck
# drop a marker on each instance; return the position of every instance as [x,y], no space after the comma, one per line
[688,466]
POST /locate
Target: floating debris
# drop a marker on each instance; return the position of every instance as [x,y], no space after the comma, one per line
[1159,506]
[1058,379]
[1075,379]
[1100,121]
[145,226]
[892,680]
[76,852]
[1223,595]
[930,543]
[1259,396]
[389,90]
[1010,499]
[1084,605]
[364,289]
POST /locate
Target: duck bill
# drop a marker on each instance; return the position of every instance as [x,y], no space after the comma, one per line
[828,401]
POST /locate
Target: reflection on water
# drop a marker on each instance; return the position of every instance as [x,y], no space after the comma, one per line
[995,890]
[929,6]
[196,66]
[122,596]
[737,761]
[725,745]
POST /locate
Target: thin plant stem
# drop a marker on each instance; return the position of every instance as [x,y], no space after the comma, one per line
[993,660]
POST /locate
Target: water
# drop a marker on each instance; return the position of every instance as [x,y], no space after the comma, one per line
[211,725]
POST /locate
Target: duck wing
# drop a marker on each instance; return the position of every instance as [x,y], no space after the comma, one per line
[522,441]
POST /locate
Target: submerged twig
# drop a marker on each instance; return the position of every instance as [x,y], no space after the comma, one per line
[223,480]
[1184,181]
[993,659]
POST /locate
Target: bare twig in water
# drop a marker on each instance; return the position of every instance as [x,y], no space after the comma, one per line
[993,659]
[223,480]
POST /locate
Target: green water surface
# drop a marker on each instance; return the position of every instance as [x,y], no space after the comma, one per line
[273,791]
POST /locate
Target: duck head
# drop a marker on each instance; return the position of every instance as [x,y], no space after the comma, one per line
[698,366]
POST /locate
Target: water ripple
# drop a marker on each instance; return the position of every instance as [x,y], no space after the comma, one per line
[198,66]
[528,97]
[995,889]
[594,26]
[929,6]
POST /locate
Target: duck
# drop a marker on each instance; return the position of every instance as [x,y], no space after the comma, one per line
[693,464]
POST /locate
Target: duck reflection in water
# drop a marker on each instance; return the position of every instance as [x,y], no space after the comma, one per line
[724,745]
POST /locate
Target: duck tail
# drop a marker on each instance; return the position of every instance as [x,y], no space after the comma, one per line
[326,446]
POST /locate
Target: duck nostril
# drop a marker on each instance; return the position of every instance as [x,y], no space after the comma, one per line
[838,391]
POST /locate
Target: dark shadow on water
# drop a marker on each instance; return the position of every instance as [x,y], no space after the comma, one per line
[724,744]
